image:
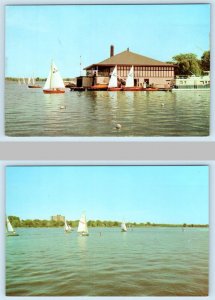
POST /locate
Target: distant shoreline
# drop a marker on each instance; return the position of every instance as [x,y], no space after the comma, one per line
[36,223]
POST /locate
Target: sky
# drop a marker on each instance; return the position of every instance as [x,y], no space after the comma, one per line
[159,194]
[76,36]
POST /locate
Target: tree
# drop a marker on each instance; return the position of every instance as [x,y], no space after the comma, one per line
[205,61]
[15,221]
[187,64]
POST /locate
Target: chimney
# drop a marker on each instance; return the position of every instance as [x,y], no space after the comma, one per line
[111,50]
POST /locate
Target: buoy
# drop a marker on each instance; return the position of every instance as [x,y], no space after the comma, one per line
[62,107]
[162,104]
[118,126]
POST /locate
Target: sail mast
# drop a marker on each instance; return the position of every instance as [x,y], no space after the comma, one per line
[51,75]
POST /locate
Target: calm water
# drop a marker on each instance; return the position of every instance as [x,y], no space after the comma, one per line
[29,112]
[142,262]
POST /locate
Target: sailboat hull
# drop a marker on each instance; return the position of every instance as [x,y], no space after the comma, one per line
[98,87]
[115,89]
[12,234]
[54,91]
[150,89]
[34,86]
[133,88]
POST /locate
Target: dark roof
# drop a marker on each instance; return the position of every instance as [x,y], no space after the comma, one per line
[129,58]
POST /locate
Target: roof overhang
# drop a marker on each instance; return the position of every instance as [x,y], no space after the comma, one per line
[129,65]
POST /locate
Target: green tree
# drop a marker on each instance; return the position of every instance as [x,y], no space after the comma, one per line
[187,64]
[205,61]
[15,221]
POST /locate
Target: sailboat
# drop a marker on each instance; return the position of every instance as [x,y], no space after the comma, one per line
[82,226]
[54,83]
[129,85]
[113,83]
[123,227]
[32,85]
[9,229]
[67,228]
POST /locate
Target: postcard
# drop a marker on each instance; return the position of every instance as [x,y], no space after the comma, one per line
[107,70]
[102,230]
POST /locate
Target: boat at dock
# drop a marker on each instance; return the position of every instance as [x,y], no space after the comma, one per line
[54,83]
[192,82]
[98,87]
[9,229]
[82,226]
[78,89]
[129,85]
[113,83]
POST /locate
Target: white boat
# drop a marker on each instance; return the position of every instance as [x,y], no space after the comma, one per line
[82,226]
[123,227]
[54,83]
[67,228]
[129,84]
[113,83]
[192,82]
[9,229]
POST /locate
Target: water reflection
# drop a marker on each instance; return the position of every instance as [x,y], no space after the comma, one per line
[82,245]
[94,113]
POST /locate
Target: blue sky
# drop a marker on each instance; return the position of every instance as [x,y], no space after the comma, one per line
[34,35]
[165,194]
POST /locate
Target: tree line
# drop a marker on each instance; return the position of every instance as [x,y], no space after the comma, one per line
[17,222]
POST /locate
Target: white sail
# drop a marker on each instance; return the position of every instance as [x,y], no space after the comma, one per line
[113,79]
[47,85]
[82,226]
[66,227]
[9,226]
[29,81]
[23,81]
[123,226]
[130,78]
[54,80]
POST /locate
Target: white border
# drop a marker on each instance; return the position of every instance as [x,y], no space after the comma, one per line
[211,165]
[4,138]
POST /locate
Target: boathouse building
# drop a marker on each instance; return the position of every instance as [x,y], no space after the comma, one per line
[146,70]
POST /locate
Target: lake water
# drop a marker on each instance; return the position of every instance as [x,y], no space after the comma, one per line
[140,262]
[29,112]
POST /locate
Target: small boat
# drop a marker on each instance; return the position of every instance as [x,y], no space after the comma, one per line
[113,83]
[98,87]
[9,229]
[78,89]
[82,226]
[67,228]
[123,227]
[54,83]
[32,85]
[129,85]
